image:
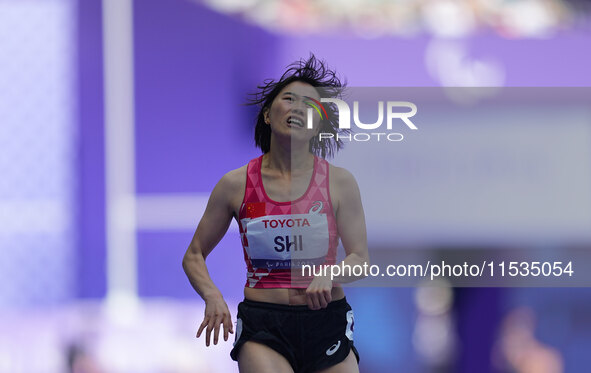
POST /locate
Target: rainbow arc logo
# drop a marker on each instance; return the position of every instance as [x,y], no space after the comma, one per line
[317,106]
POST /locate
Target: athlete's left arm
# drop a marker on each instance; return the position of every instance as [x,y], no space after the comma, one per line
[350,221]
[351,227]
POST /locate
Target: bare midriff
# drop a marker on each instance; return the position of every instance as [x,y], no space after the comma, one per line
[286,296]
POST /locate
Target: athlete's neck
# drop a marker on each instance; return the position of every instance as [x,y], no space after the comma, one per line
[288,161]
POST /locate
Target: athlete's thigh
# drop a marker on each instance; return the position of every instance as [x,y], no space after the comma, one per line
[257,358]
[349,365]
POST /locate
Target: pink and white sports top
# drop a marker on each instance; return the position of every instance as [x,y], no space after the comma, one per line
[279,237]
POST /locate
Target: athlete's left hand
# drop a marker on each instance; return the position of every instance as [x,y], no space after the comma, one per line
[318,293]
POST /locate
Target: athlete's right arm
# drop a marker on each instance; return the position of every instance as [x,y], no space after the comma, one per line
[212,227]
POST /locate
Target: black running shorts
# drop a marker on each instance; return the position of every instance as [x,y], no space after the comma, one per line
[310,340]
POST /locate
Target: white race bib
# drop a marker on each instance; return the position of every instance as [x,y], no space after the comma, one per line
[286,241]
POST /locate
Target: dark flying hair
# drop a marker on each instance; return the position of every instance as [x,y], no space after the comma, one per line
[316,73]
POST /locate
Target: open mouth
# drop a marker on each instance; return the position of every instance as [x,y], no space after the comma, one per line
[295,122]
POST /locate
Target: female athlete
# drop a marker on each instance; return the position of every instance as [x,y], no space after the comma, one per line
[292,207]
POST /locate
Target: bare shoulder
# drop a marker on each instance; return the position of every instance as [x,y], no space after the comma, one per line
[343,186]
[341,177]
[232,186]
[234,179]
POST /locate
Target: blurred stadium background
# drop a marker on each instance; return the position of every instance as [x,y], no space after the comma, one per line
[117,118]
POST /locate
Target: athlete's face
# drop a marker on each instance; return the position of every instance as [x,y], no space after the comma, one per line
[288,114]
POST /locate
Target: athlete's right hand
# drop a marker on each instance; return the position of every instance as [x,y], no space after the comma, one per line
[216,313]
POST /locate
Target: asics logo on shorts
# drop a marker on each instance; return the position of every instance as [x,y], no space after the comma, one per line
[333,348]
